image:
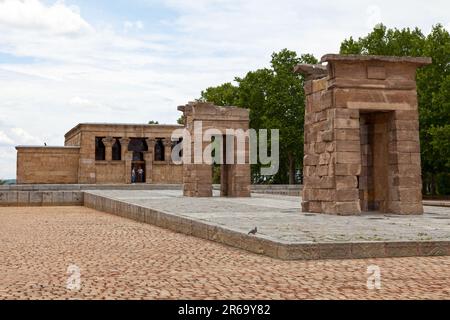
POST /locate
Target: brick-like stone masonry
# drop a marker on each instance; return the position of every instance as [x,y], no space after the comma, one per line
[197,177]
[362,148]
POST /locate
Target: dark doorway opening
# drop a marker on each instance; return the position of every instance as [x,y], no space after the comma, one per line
[100,150]
[138,146]
[374,179]
[138,172]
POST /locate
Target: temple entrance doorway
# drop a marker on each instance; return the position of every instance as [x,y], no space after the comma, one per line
[138,146]
[138,176]
[374,186]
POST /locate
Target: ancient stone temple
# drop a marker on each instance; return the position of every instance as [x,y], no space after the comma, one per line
[98,153]
[362,150]
[229,123]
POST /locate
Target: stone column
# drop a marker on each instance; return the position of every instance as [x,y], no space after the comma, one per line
[167,150]
[151,146]
[404,163]
[124,142]
[241,172]
[126,157]
[148,157]
[108,142]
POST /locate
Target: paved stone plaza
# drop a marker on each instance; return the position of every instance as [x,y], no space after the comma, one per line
[120,258]
[280,218]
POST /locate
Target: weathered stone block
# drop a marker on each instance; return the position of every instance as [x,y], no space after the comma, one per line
[408,146]
[401,249]
[23,197]
[352,146]
[36,197]
[327,136]
[310,160]
[346,182]
[347,195]
[347,134]
[346,123]
[348,208]
[348,157]
[347,169]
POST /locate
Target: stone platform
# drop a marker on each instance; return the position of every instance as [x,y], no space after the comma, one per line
[284,232]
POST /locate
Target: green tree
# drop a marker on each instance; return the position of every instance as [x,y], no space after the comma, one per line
[153,122]
[180,120]
[2,182]
[224,95]
[433,87]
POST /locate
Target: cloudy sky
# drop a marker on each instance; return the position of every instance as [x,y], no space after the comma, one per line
[66,62]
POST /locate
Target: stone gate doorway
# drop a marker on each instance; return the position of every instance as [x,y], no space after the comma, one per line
[201,119]
[373,181]
[138,147]
[362,148]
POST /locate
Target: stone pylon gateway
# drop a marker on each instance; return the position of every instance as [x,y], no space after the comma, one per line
[234,175]
[362,150]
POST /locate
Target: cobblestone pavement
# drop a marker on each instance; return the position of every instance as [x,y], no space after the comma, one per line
[123,259]
[280,218]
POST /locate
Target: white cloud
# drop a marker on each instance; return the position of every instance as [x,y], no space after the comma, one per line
[9,138]
[5,140]
[130,25]
[22,137]
[32,14]
[80,102]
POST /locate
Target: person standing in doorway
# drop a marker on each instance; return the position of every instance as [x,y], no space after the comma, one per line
[133,175]
[141,174]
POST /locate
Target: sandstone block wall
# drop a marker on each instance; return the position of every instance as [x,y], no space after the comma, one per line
[106,171]
[76,162]
[362,148]
[197,177]
[47,165]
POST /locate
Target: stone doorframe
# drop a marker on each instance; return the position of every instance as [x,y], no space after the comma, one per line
[197,177]
[336,169]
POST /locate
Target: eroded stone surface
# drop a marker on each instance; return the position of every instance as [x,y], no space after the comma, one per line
[362,148]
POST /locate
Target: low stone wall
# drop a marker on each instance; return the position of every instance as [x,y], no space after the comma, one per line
[40,198]
[282,189]
[82,187]
[61,194]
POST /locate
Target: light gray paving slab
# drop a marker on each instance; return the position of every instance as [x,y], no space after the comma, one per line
[280,218]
